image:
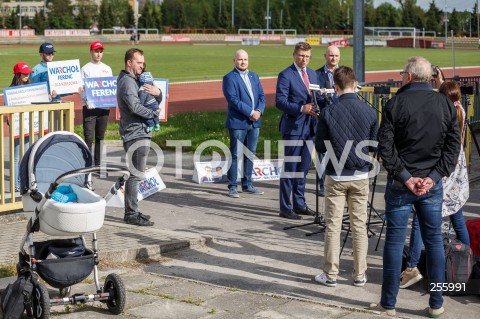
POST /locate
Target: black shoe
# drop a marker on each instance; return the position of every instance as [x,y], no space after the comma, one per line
[289,214]
[145,216]
[305,211]
[137,219]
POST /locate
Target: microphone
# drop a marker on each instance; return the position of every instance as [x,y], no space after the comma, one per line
[328,93]
[314,88]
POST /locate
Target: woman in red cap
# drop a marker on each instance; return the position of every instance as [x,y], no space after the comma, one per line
[21,73]
[21,77]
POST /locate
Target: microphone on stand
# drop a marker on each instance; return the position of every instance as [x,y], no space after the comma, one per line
[315,88]
[328,93]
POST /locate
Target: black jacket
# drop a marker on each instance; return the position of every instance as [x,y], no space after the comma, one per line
[348,119]
[419,134]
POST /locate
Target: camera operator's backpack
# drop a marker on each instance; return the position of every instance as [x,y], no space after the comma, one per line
[18,296]
[459,262]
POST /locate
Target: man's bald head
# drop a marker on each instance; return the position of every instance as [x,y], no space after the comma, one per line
[240,60]
[332,57]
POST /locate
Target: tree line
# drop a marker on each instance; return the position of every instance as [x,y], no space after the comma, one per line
[306,16]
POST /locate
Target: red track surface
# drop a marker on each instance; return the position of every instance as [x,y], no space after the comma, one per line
[208,96]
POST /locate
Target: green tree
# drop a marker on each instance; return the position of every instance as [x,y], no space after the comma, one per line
[60,14]
[387,15]
[87,9]
[105,16]
[39,22]
[474,18]
[454,22]
[433,18]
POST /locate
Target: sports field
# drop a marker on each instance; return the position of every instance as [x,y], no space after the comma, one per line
[182,63]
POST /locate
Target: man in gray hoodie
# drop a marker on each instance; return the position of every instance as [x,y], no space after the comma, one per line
[134,131]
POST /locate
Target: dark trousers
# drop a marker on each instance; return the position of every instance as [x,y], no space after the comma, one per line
[94,126]
[137,154]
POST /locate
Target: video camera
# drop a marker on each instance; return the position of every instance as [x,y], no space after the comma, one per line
[466,90]
[383,90]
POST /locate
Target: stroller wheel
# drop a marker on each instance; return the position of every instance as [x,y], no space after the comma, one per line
[116,301]
[40,301]
[65,292]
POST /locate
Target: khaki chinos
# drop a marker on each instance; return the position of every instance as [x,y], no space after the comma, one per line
[355,193]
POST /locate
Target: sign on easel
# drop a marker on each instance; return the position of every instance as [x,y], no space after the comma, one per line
[263,170]
[150,185]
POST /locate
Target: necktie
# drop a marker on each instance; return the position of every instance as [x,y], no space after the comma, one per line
[305,80]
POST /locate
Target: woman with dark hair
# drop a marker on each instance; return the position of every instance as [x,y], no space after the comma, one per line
[21,76]
[455,194]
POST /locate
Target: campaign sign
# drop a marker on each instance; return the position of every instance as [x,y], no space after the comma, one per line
[162,84]
[101,92]
[24,95]
[209,172]
[64,76]
[267,169]
[151,184]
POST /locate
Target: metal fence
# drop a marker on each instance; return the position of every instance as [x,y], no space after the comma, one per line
[33,122]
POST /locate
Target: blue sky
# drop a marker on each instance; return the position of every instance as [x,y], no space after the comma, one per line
[459,5]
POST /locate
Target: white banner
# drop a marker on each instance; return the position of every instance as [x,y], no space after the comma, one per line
[150,185]
[24,95]
[64,76]
[67,33]
[263,170]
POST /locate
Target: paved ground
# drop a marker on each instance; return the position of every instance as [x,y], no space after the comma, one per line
[237,260]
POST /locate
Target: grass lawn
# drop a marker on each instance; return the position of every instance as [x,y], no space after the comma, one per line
[180,63]
[200,127]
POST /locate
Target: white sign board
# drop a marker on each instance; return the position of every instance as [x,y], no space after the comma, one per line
[263,170]
[64,76]
[150,185]
[24,95]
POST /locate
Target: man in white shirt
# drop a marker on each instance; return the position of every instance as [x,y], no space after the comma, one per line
[95,120]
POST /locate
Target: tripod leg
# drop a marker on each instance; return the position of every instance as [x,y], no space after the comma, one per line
[473,136]
[380,236]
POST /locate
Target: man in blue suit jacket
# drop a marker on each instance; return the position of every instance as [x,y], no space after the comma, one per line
[246,103]
[297,125]
[325,80]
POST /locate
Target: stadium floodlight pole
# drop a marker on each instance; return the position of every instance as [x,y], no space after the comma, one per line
[233,12]
[445,21]
[478,23]
[20,21]
[359,40]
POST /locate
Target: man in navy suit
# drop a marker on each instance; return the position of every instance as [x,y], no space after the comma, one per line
[246,103]
[325,80]
[297,125]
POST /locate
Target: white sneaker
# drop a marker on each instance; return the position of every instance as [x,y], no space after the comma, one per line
[408,278]
[324,280]
[360,282]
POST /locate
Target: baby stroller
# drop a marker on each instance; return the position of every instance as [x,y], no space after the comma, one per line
[62,158]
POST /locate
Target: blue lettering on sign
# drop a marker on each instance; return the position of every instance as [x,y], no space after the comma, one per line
[147,184]
[64,69]
[65,77]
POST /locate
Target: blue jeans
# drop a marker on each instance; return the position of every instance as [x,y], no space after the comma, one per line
[249,138]
[137,169]
[398,205]
[16,157]
[416,242]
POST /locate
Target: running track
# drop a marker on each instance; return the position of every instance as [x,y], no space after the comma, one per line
[208,96]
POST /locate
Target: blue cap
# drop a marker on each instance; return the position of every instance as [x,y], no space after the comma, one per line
[46,48]
[146,77]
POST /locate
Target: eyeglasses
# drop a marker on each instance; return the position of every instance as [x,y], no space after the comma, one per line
[403,72]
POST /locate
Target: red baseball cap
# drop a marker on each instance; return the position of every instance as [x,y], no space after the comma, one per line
[96,45]
[21,67]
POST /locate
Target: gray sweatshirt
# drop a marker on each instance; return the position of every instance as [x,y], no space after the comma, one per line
[132,113]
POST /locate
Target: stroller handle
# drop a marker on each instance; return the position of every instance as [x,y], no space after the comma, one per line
[82,171]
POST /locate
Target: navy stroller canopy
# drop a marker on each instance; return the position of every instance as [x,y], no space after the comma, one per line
[51,156]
